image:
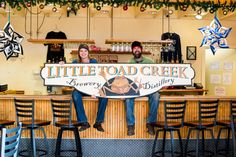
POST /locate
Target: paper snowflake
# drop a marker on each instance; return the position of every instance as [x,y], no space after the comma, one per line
[214,35]
[10,41]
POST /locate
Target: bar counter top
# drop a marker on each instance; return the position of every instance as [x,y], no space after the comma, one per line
[163,97]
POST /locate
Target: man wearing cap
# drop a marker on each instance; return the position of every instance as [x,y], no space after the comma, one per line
[153,99]
[83,57]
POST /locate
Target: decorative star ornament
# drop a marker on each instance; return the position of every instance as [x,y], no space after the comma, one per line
[215,35]
[10,41]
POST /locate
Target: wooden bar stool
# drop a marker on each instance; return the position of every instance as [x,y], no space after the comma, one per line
[174,120]
[62,118]
[10,141]
[25,113]
[207,111]
[228,125]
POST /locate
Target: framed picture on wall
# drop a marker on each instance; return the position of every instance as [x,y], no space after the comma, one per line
[191,53]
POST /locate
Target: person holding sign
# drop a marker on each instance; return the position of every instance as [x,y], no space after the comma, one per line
[153,99]
[83,54]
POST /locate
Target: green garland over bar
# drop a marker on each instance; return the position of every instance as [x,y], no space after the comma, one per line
[207,5]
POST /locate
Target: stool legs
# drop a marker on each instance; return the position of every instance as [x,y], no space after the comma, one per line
[77,141]
[187,140]
[155,142]
[58,144]
[229,130]
[197,142]
[162,152]
[33,144]
[180,143]
[233,139]
[172,143]
[164,143]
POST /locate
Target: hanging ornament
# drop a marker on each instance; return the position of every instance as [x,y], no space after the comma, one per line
[115,5]
[125,7]
[10,41]
[41,6]
[157,6]
[98,8]
[142,9]
[28,4]
[18,8]
[212,10]
[215,35]
[83,5]
[54,9]
[3,5]
[68,8]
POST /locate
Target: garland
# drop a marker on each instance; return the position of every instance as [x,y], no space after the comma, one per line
[207,5]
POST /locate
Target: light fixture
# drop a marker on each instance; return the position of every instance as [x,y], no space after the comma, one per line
[198,16]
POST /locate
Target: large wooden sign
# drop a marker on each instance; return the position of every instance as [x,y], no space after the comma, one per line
[117,80]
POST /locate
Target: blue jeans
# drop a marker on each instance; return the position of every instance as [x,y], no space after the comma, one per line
[153,101]
[79,107]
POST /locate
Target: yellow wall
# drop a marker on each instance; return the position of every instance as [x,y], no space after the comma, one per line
[215,67]
[22,73]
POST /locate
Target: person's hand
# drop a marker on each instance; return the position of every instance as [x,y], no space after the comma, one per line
[93,96]
[62,62]
[103,74]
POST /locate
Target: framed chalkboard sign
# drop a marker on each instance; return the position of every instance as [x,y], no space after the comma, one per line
[191,53]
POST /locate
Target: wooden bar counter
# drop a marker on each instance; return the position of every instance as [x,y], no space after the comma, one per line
[115,123]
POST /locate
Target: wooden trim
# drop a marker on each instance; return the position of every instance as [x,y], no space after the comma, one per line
[111,41]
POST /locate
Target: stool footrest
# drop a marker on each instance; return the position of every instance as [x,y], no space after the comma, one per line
[205,152]
[43,152]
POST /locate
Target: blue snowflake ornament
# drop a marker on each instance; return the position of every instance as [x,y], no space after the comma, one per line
[215,35]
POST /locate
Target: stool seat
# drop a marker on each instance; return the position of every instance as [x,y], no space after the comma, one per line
[4,123]
[67,123]
[37,123]
[225,122]
[161,124]
[198,124]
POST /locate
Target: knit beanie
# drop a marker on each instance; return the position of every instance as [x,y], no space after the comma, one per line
[83,46]
[136,43]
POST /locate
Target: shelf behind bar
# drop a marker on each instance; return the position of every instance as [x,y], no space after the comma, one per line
[60,41]
[110,52]
[111,41]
